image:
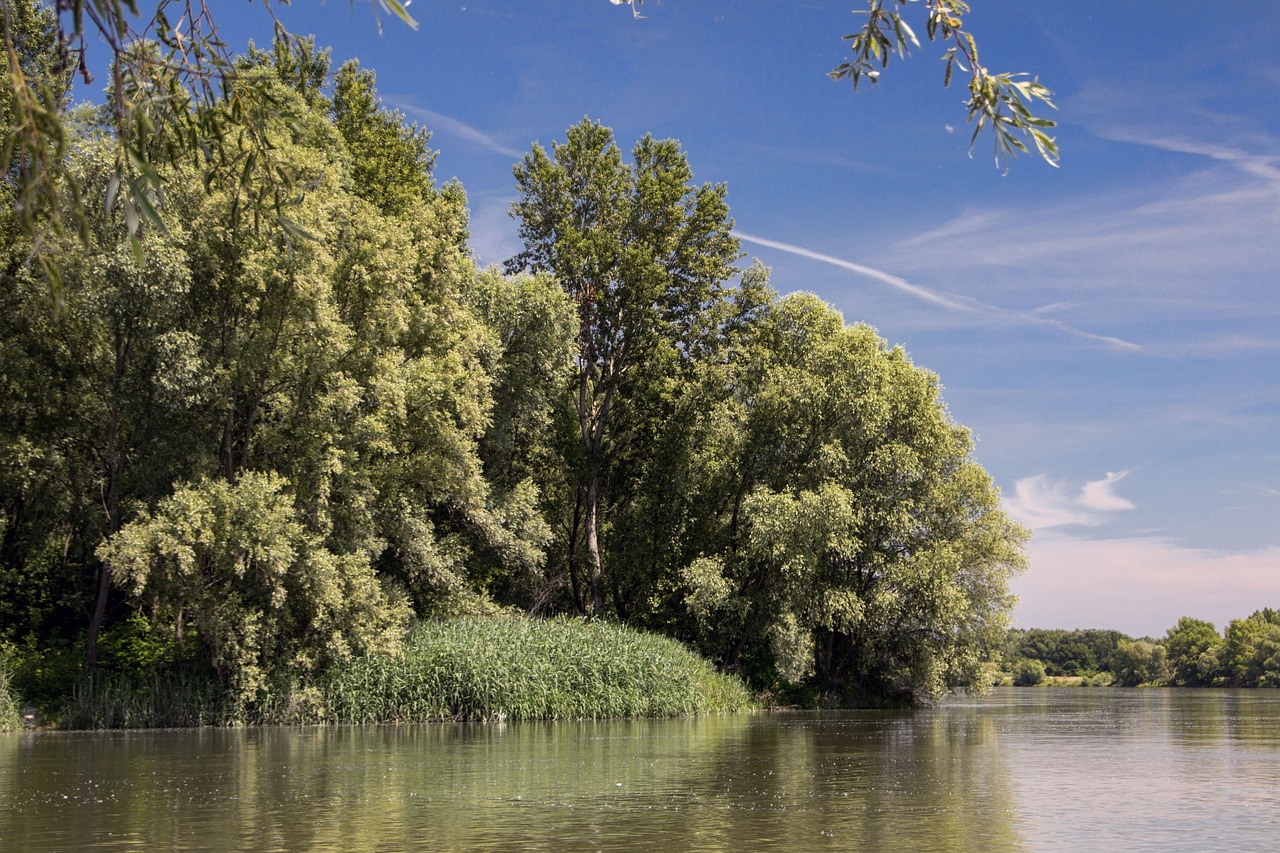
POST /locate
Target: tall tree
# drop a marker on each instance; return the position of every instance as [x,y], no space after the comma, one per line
[642,252]
[855,544]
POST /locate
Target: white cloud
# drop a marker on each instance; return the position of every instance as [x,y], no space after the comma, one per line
[1140,586]
[1042,503]
[1099,495]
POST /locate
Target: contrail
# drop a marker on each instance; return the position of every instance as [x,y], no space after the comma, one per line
[954,303]
[460,129]
[892,280]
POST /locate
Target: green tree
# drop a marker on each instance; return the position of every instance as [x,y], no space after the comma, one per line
[390,161]
[1186,643]
[1028,672]
[1250,656]
[857,542]
[232,566]
[642,252]
[354,370]
[1139,662]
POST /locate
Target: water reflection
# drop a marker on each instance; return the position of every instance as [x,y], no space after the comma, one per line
[1023,770]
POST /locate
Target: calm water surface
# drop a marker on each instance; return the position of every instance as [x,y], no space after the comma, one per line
[1024,769]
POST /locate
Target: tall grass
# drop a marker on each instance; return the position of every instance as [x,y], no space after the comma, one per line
[169,700]
[10,711]
[469,669]
[521,669]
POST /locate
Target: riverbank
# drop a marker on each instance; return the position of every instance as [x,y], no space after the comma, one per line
[459,670]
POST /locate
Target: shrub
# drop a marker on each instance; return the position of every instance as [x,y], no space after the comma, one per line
[1028,672]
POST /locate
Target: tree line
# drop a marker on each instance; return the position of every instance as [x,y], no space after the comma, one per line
[1191,654]
[240,450]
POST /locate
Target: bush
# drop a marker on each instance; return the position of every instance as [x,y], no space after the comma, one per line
[1028,672]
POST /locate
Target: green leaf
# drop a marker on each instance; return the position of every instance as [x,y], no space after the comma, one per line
[294,229]
[113,187]
[398,7]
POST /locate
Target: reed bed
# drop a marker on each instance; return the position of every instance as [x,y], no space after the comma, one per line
[170,700]
[469,669]
[523,669]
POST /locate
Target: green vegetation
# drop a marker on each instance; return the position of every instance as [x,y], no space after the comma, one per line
[10,710]
[520,669]
[236,465]
[1028,673]
[505,668]
[1191,654]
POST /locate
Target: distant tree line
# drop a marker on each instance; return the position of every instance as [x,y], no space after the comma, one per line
[246,451]
[1191,654]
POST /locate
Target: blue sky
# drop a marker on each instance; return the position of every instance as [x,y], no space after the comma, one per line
[1108,329]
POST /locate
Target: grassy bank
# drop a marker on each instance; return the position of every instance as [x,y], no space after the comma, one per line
[473,669]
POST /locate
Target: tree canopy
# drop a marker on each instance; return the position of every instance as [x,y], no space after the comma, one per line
[246,454]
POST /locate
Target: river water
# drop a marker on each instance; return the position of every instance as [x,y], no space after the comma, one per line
[1023,769]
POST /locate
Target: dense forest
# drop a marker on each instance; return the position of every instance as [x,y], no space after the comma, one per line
[233,448]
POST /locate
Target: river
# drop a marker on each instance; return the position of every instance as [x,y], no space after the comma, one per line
[1039,769]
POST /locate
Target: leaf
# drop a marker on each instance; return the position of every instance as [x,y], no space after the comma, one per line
[139,162]
[131,216]
[135,246]
[142,205]
[294,229]
[398,7]
[113,187]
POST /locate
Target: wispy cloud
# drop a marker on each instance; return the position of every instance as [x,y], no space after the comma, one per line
[1041,502]
[1264,166]
[1100,496]
[1140,585]
[1201,238]
[457,129]
[961,304]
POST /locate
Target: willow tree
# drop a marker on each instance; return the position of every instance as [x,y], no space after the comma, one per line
[643,253]
[854,544]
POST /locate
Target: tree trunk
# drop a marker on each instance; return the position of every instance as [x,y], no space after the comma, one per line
[596,576]
[111,503]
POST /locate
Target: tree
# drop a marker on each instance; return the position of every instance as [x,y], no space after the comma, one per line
[232,565]
[1186,643]
[856,545]
[1028,672]
[1250,655]
[1139,662]
[642,253]
[350,376]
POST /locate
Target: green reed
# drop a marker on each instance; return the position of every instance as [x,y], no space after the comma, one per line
[469,669]
[523,669]
[10,710]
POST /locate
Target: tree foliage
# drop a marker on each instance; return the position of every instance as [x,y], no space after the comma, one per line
[323,402]
[852,533]
[998,103]
[274,451]
[641,251]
